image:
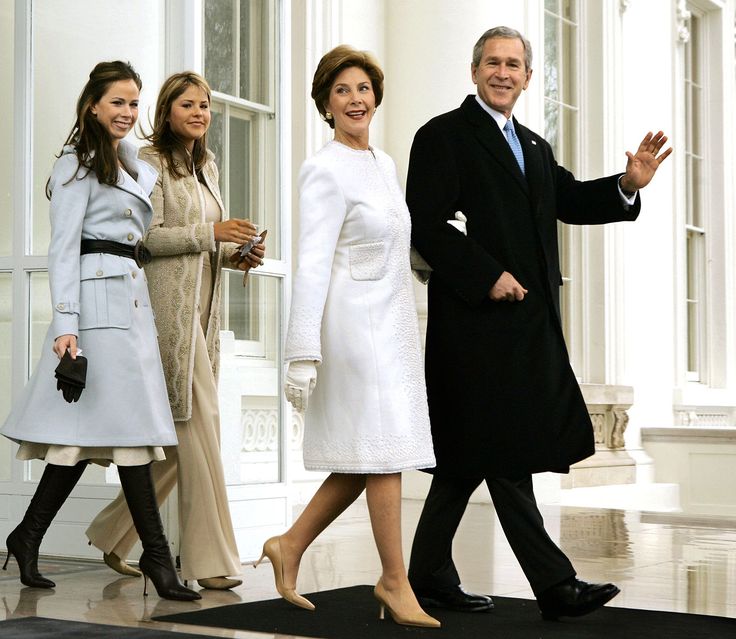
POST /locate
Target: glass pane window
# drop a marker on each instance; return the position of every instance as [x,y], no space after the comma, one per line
[551,60]
[240,203]
[215,135]
[6,342]
[244,145]
[6,127]
[561,124]
[696,226]
[219,43]
[560,80]
[236,48]
[251,80]
[40,319]
[6,365]
[552,123]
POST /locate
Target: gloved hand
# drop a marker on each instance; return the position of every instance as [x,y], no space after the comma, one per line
[459,222]
[71,376]
[419,266]
[301,378]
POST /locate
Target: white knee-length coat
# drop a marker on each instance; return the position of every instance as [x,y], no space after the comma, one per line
[103,299]
[353,310]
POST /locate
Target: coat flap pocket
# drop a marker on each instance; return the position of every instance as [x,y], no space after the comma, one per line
[98,265]
[367,260]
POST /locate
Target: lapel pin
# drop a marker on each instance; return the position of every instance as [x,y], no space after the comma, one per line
[534,142]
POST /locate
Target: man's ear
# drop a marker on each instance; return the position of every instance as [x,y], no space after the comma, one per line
[473,69]
[528,77]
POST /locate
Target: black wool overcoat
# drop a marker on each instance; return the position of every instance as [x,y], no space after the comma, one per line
[503,399]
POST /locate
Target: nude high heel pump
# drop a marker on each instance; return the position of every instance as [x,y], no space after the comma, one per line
[119,566]
[272,550]
[417,618]
[219,583]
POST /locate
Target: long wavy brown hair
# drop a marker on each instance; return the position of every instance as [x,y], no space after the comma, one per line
[163,139]
[92,143]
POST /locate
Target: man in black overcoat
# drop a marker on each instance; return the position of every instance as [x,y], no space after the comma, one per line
[504,402]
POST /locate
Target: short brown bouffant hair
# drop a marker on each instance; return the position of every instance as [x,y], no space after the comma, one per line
[335,62]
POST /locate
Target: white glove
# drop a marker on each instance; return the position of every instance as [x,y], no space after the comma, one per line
[459,222]
[301,378]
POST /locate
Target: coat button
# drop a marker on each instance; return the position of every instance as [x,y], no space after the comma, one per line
[130,236]
[60,307]
[99,273]
[128,212]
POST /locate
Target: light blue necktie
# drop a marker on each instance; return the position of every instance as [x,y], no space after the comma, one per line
[513,141]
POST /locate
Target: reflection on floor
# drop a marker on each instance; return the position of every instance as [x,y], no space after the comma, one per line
[661,562]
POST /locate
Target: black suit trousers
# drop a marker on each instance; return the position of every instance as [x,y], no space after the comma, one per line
[431,564]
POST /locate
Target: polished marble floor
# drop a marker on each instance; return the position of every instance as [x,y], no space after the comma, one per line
[661,562]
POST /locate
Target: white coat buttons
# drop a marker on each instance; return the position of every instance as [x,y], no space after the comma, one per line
[59,307]
[130,236]
[99,273]
[128,212]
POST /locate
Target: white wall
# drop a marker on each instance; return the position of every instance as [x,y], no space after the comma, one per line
[429,47]
[648,244]
[70,37]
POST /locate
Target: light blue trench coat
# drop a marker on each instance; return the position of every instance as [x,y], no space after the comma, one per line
[103,299]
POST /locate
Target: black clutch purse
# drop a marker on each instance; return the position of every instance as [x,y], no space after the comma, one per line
[71,375]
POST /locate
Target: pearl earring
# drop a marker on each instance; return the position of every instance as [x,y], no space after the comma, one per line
[328,115]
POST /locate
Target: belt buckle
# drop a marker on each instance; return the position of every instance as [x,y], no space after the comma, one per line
[141,254]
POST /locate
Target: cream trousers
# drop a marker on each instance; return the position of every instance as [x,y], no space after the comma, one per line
[207,545]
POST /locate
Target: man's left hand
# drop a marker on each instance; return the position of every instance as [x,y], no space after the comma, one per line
[641,167]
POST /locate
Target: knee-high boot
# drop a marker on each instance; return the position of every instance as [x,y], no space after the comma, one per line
[24,542]
[156,562]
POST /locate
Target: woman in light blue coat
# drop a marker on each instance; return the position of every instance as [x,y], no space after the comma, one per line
[100,209]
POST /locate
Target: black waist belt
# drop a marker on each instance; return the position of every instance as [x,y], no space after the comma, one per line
[139,252]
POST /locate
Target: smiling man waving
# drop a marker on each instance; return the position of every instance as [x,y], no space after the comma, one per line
[503,400]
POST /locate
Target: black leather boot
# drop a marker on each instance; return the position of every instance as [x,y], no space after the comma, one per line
[156,562]
[23,543]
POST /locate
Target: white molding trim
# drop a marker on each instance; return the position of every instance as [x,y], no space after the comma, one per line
[284,180]
[682,15]
[22,190]
[184,36]
[613,240]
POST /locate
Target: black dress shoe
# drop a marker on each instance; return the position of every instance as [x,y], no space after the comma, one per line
[452,598]
[574,598]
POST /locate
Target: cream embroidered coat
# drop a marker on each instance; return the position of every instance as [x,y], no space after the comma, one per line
[177,238]
[353,310]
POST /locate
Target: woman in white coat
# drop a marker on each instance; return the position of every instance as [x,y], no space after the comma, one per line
[353,318]
[100,209]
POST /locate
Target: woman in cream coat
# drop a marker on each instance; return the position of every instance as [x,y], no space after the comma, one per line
[99,196]
[353,315]
[189,243]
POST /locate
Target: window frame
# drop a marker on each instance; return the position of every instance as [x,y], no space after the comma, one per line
[568,153]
